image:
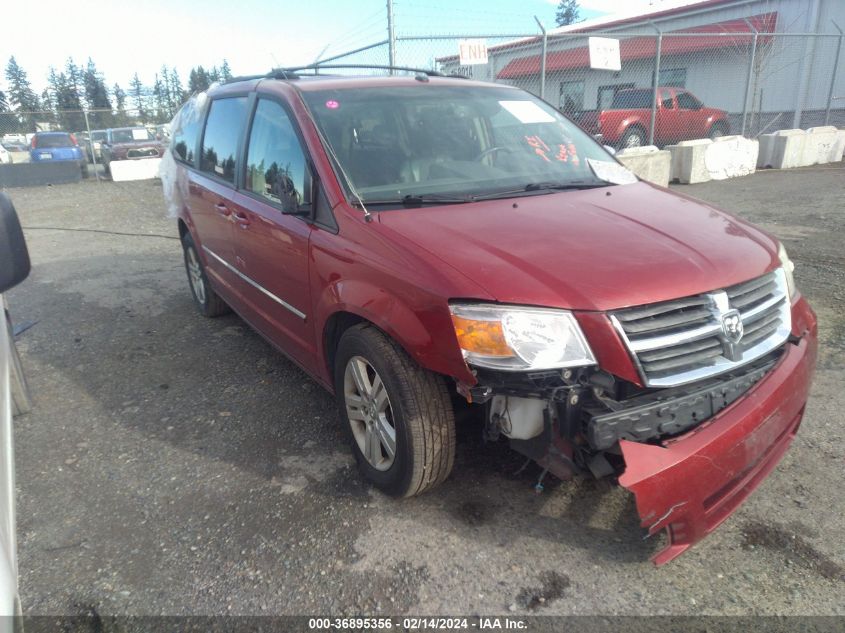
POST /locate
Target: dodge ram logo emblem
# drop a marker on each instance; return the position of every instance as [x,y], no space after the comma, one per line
[732,326]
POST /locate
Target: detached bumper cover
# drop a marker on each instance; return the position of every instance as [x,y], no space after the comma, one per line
[691,484]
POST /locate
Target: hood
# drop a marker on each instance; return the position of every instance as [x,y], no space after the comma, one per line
[596,249]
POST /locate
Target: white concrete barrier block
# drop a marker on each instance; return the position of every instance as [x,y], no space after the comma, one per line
[648,162]
[821,145]
[838,149]
[767,148]
[688,161]
[731,156]
[144,169]
[782,149]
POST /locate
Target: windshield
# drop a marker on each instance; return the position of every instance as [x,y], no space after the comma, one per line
[434,140]
[128,135]
[632,100]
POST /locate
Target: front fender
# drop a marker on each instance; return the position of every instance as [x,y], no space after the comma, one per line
[424,330]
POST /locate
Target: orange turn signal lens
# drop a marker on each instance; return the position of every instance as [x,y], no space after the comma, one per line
[481,337]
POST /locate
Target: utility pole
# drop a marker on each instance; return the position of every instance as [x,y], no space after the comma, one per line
[391,36]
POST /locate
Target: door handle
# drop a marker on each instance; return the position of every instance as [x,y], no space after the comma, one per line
[241,218]
[222,209]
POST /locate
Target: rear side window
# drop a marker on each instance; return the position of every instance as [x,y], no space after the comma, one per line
[186,129]
[222,132]
[276,168]
[53,140]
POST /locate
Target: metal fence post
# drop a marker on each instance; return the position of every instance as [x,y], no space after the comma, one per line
[749,77]
[543,59]
[833,76]
[391,36]
[91,145]
[656,84]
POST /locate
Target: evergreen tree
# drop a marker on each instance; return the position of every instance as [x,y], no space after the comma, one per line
[8,121]
[176,94]
[198,80]
[136,89]
[69,97]
[225,71]
[97,97]
[160,99]
[121,118]
[20,95]
[568,12]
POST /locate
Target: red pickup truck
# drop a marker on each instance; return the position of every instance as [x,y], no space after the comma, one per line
[680,116]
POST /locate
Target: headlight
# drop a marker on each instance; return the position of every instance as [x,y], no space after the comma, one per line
[788,269]
[515,338]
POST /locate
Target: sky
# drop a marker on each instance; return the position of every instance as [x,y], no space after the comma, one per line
[123,37]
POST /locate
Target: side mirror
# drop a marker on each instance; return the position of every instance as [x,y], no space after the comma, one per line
[610,150]
[303,204]
[14,257]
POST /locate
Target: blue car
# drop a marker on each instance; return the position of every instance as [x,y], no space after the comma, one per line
[52,146]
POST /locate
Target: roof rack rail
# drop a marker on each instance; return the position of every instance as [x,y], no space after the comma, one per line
[275,73]
[318,67]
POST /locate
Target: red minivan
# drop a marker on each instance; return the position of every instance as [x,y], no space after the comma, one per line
[431,247]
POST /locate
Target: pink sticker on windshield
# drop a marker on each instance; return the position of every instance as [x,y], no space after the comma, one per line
[332,104]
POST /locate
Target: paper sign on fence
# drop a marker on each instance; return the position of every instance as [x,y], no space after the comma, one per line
[472,52]
[604,53]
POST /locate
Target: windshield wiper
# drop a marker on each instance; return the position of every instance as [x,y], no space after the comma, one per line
[544,186]
[418,200]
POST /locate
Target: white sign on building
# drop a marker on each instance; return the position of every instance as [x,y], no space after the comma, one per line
[604,53]
[472,52]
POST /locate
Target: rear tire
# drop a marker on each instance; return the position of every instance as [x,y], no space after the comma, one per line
[207,301]
[633,137]
[392,398]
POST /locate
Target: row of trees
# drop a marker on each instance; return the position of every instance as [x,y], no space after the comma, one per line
[77,87]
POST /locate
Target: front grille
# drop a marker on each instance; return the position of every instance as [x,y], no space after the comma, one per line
[684,340]
[144,152]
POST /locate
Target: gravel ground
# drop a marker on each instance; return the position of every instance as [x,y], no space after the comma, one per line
[178,465]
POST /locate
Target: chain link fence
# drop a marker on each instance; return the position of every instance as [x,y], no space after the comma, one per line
[88,127]
[741,79]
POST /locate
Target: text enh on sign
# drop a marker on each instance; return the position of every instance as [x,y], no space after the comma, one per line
[472,52]
[604,53]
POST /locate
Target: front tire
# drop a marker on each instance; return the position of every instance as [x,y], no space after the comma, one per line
[21,398]
[398,415]
[633,137]
[718,130]
[207,301]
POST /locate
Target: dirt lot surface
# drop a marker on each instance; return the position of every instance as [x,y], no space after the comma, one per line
[176,464]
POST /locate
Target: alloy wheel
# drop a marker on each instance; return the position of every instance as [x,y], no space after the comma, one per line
[369,412]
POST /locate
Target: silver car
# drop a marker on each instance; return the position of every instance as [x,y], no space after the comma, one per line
[14,400]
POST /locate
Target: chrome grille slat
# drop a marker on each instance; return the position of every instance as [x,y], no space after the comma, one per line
[749,298]
[688,360]
[673,320]
[635,314]
[754,312]
[683,340]
[680,350]
[748,286]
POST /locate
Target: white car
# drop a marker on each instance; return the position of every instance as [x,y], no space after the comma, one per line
[5,156]
[14,399]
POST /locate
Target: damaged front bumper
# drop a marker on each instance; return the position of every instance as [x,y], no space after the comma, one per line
[692,483]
